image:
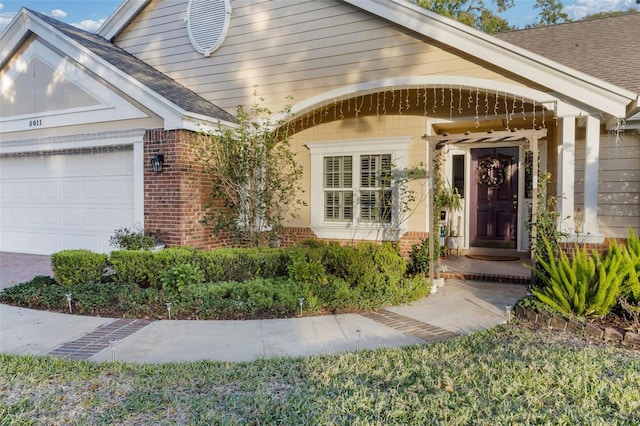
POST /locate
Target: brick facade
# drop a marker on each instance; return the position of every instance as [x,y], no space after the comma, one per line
[174,199]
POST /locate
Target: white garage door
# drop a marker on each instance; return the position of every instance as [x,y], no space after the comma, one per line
[54,202]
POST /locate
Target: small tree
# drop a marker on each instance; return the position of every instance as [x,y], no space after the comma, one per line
[256,177]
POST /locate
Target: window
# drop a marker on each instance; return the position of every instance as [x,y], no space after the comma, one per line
[352,192]
[338,195]
[375,188]
[457,171]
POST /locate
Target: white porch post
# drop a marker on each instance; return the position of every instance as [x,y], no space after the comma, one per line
[566,174]
[592,160]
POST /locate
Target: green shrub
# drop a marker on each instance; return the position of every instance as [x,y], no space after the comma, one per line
[133,239]
[132,267]
[419,257]
[631,286]
[72,267]
[176,278]
[29,294]
[241,264]
[586,284]
[233,300]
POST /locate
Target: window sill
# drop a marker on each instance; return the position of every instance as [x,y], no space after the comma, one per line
[348,231]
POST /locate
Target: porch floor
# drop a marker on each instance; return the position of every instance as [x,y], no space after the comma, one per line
[507,271]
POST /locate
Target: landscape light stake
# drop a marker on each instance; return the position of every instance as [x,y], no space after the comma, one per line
[301,302]
[508,308]
[169,308]
[357,340]
[113,349]
[69,302]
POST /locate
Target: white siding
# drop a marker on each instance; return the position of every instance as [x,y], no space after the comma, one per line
[284,48]
[619,183]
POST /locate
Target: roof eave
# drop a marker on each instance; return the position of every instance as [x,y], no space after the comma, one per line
[119,19]
[28,23]
[587,89]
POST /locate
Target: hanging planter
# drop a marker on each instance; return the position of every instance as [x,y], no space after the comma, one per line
[491,172]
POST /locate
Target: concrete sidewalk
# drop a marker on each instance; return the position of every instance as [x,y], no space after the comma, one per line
[459,307]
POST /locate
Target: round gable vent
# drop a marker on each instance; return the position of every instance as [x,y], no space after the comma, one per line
[207,24]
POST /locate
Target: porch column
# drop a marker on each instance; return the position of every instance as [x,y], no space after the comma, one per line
[592,160]
[566,174]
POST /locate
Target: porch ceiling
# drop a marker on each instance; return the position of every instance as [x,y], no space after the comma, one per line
[515,135]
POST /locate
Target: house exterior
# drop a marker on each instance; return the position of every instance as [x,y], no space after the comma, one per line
[377,86]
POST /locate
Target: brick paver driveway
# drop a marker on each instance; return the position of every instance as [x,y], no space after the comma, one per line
[17,268]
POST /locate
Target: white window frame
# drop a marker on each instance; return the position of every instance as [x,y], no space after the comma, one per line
[397,146]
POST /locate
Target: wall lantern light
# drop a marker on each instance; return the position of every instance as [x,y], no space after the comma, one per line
[157,162]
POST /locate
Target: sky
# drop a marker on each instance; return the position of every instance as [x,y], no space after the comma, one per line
[89,14]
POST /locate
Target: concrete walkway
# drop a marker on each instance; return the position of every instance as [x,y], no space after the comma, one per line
[460,307]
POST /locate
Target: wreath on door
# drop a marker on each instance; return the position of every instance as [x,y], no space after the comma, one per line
[491,172]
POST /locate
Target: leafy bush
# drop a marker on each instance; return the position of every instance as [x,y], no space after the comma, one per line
[631,286]
[233,300]
[245,264]
[133,239]
[72,267]
[239,283]
[132,267]
[178,277]
[585,285]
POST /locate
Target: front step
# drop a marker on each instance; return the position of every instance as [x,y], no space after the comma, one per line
[485,277]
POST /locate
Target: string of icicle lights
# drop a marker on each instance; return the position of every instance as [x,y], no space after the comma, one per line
[441,101]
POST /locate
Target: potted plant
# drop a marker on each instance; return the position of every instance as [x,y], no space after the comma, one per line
[450,200]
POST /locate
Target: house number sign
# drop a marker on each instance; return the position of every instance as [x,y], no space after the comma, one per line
[35,123]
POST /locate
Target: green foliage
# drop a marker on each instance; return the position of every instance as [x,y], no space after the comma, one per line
[78,266]
[255,173]
[176,278]
[584,285]
[258,298]
[134,239]
[239,283]
[132,266]
[551,13]
[306,270]
[419,256]
[472,12]
[631,251]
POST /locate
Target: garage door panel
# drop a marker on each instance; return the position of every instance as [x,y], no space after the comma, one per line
[70,217]
[33,216]
[52,190]
[55,202]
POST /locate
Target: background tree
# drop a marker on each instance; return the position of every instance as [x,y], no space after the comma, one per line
[608,14]
[471,12]
[551,13]
[256,177]
[478,14]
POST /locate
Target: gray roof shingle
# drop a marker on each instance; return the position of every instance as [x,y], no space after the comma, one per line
[605,48]
[141,71]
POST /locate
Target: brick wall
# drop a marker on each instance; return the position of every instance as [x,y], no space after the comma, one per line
[294,235]
[174,199]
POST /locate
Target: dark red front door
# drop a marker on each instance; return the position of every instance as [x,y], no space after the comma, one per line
[494,190]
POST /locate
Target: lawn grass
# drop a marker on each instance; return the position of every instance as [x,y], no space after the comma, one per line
[507,375]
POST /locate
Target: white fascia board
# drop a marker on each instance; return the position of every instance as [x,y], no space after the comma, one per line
[119,19]
[13,36]
[202,123]
[168,111]
[586,89]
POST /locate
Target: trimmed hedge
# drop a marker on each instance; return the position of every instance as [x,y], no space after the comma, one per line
[231,283]
[74,266]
